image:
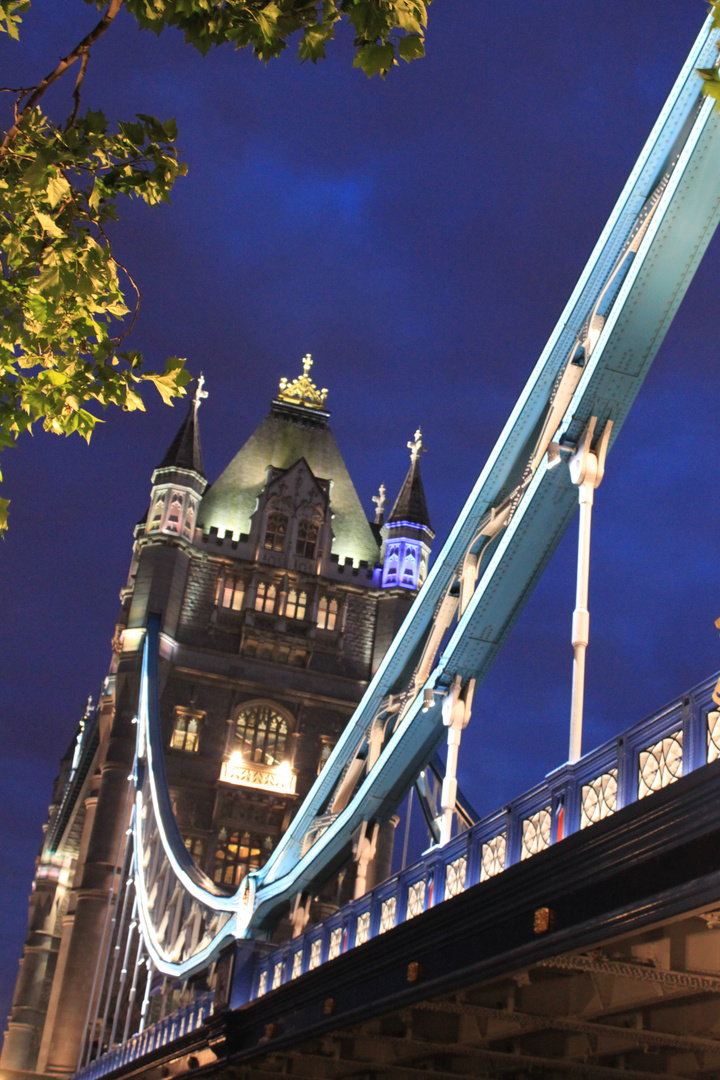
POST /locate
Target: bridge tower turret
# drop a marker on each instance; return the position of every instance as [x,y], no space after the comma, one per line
[407,533]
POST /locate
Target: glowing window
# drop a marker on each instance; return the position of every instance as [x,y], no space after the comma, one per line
[174,513]
[275,532]
[157,513]
[409,576]
[237,853]
[296,604]
[392,560]
[186,731]
[327,613]
[233,590]
[261,735]
[265,597]
[306,542]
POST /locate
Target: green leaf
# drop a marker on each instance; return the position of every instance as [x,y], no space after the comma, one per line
[374,59]
[411,47]
[48,224]
[57,189]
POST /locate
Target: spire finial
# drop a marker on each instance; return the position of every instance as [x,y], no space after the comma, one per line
[416,447]
[379,501]
[303,391]
[200,394]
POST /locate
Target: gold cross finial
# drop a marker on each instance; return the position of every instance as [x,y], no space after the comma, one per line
[416,447]
[303,391]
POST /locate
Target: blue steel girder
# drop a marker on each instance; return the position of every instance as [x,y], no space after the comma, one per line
[682,159]
[592,366]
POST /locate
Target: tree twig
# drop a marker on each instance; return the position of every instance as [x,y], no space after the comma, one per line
[79,50]
[132,281]
[78,84]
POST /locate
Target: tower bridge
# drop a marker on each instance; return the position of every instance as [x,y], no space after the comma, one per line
[574,931]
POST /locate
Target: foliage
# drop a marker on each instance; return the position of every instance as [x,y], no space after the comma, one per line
[63,308]
[711,80]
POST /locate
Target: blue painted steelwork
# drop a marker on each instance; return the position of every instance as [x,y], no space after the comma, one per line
[693,715]
[592,366]
[181,1022]
[566,787]
[637,275]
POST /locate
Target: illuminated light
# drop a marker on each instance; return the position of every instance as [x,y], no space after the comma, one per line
[132,639]
[265,777]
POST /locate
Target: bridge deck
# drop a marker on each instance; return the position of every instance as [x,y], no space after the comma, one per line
[599,931]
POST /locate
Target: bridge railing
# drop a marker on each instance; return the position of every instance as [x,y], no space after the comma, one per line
[181,1022]
[646,758]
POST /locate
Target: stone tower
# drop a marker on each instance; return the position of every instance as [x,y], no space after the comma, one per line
[276,607]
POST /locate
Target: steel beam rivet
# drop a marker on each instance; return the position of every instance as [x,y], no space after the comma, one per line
[414,971]
[329,1006]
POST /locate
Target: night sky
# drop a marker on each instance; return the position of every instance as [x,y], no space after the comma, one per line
[419,237]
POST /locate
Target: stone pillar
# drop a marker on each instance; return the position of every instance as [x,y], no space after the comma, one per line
[83,929]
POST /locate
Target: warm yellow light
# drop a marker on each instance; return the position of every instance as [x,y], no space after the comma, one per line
[284,768]
[236,758]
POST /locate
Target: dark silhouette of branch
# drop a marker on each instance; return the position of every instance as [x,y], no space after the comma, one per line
[78,85]
[80,50]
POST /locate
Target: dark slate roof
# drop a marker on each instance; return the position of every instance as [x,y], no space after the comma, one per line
[410,504]
[184,451]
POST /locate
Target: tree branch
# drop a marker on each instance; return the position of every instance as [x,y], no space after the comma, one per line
[78,85]
[80,50]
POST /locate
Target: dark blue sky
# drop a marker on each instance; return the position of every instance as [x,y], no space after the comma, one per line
[419,237]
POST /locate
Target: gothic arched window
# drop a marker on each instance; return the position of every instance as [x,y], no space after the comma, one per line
[174,513]
[275,532]
[296,604]
[239,852]
[261,735]
[391,565]
[306,542]
[409,568]
[186,731]
[158,511]
[265,597]
[327,613]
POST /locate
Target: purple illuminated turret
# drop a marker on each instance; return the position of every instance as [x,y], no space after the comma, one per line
[407,533]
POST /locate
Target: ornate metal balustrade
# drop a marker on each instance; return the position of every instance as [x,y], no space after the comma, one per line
[642,760]
[646,758]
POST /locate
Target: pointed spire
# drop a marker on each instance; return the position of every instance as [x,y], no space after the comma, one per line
[410,504]
[184,451]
